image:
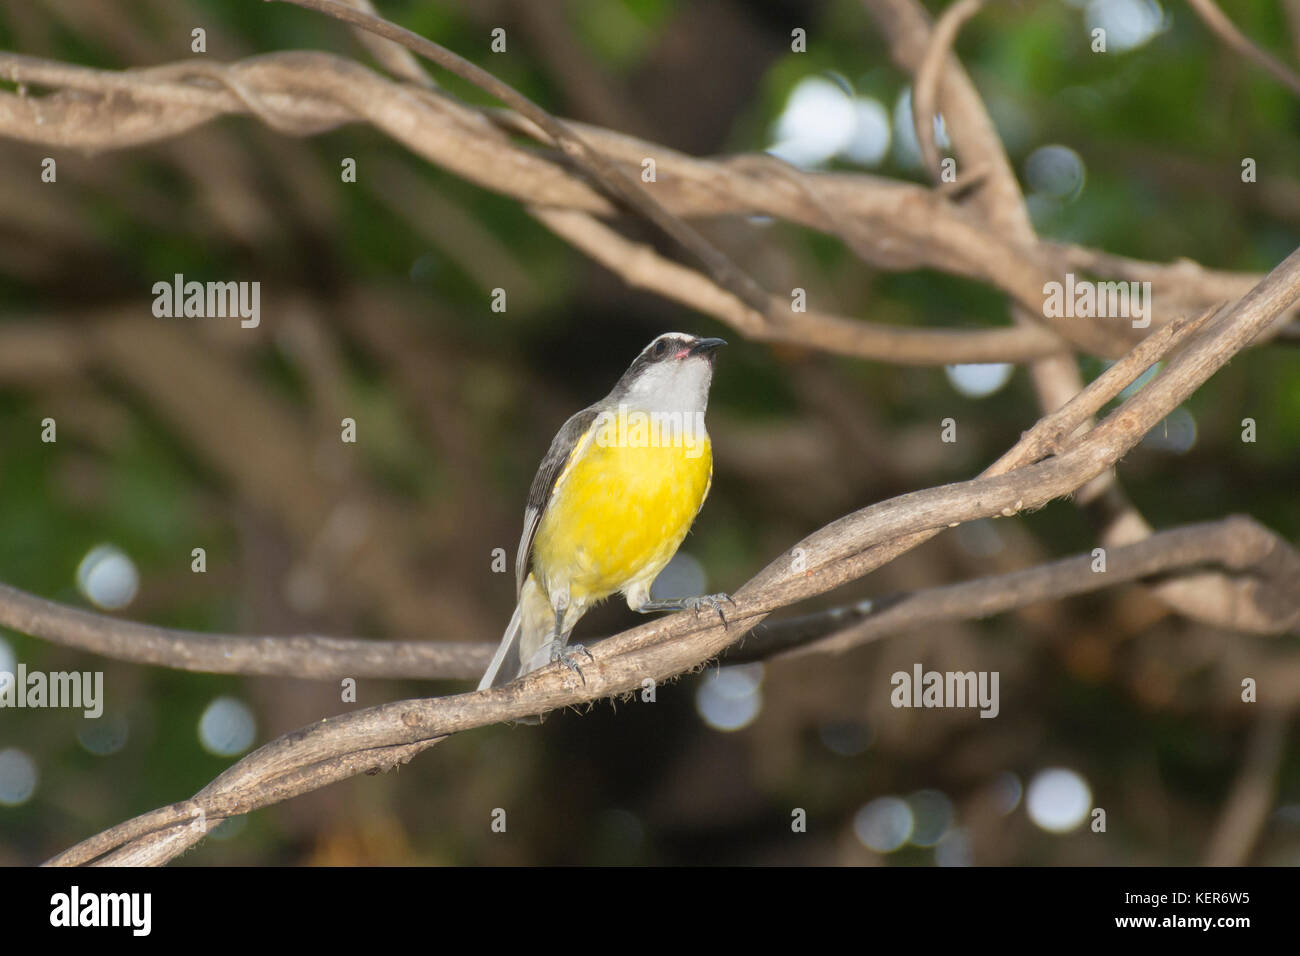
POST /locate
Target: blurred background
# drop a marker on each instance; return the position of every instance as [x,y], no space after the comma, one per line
[376,305]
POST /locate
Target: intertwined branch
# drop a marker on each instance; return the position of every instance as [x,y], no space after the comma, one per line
[572,176]
[892,224]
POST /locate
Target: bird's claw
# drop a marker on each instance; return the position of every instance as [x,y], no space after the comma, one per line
[714,601]
[568,656]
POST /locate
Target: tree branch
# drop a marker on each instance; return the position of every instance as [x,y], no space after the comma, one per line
[899,225]
[382,736]
[925,91]
[641,267]
[300,655]
[1237,544]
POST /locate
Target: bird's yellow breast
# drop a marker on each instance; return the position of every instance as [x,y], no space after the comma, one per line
[619,511]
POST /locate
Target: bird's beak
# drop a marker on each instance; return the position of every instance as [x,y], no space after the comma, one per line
[705,346]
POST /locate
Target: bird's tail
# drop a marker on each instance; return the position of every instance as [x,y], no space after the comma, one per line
[530,632]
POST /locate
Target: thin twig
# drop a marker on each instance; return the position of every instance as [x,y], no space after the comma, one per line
[1234,39]
[925,91]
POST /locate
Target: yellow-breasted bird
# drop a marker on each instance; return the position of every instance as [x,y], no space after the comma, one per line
[611,503]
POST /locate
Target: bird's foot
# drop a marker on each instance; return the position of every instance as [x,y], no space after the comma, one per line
[569,657]
[714,601]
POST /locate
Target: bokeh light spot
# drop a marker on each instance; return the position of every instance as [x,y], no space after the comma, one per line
[683,577]
[18,777]
[1055,171]
[1007,791]
[730,697]
[107,578]
[105,735]
[227,727]
[979,380]
[932,815]
[884,824]
[1128,23]
[1058,800]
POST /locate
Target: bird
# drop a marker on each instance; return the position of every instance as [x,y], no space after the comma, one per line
[611,503]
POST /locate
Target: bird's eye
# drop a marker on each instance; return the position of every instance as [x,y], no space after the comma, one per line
[660,349]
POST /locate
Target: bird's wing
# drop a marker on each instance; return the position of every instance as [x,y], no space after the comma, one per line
[568,441]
